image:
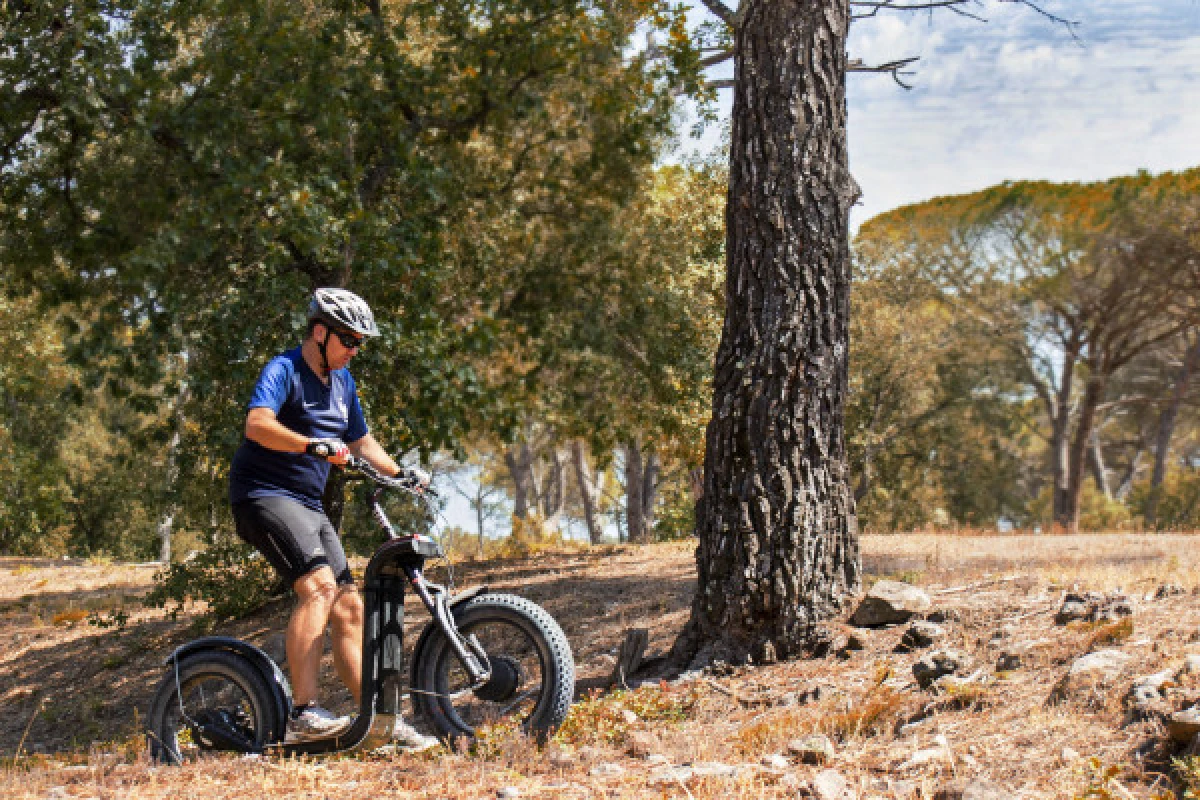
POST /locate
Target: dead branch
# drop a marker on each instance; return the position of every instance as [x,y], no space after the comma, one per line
[895,68]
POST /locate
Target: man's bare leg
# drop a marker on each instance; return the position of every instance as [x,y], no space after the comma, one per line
[315,593]
[346,623]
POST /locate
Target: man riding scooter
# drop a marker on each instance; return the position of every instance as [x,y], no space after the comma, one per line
[303,417]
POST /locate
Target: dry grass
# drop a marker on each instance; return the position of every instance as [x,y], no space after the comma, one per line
[79,687]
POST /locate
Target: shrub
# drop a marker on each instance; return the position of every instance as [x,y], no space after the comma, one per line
[229,577]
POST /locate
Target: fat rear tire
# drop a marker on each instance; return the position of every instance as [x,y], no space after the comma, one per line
[255,707]
[538,640]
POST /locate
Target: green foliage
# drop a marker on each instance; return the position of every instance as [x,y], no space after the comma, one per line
[1178,500]
[1187,769]
[599,718]
[228,577]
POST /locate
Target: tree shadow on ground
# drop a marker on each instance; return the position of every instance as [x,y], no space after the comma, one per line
[77,687]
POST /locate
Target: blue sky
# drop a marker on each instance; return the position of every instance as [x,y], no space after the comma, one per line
[1018,97]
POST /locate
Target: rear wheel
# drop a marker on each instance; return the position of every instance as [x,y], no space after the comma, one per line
[210,701]
[533,673]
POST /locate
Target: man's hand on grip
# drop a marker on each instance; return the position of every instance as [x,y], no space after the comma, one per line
[334,451]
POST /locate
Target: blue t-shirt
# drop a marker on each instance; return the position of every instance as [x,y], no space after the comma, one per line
[302,403]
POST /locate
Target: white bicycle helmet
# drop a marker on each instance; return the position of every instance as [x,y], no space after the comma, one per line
[342,309]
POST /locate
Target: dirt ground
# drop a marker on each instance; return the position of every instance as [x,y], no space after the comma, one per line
[73,694]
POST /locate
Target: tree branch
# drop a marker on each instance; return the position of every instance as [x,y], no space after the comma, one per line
[895,68]
[721,10]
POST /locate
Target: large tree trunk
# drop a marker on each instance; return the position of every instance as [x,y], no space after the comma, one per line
[1166,427]
[589,491]
[778,548]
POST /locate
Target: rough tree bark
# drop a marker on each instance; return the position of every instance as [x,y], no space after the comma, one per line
[778,549]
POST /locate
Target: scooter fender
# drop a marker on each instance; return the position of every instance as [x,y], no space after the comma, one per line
[455,601]
[272,675]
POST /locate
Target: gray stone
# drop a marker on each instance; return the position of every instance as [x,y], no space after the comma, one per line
[1191,664]
[815,749]
[775,761]
[943,615]
[607,770]
[669,776]
[640,743]
[971,790]
[942,662]
[657,760]
[630,717]
[713,769]
[1093,607]
[508,792]
[1071,611]
[1101,668]
[829,784]
[890,602]
[1069,756]
[922,634]
[1008,661]
[562,759]
[1184,726]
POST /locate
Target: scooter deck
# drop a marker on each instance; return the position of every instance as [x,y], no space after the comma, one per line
[366,733]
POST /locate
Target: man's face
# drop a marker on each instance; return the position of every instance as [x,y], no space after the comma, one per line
[340,347]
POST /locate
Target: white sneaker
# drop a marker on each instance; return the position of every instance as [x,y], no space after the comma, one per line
[314,722]
[408,739]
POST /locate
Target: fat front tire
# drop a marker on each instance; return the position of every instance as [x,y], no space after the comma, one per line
[226,705]
[533,672]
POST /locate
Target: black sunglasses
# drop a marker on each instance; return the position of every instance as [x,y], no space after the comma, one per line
[348,340]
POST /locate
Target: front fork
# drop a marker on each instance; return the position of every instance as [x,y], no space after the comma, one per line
[467,649]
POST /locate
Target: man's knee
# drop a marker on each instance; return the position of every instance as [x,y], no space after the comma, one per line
[318,586]
[348,606]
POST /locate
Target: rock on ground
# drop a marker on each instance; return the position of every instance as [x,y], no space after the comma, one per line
[934,665]
[890,602]
[812,749]
[971,790]
[1184,726]
[922,634]
[827,785]
[1101,668]
[1093,607]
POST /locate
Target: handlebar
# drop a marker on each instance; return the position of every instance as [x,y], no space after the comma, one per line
[405,480]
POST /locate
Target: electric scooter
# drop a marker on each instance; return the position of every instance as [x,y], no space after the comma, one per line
[483,658]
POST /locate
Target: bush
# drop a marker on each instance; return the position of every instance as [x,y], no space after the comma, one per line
[229,577]
[1178,500]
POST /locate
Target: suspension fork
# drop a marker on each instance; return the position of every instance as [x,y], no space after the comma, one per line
[467,649]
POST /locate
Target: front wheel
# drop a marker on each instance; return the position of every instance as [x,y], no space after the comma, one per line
[210,701]
[533,673]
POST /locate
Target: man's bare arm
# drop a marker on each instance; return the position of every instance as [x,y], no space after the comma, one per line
[369,449]
[263,428]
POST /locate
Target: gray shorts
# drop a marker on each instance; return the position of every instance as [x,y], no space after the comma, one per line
[294,539]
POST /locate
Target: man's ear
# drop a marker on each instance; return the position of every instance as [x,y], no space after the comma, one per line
[321,327]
